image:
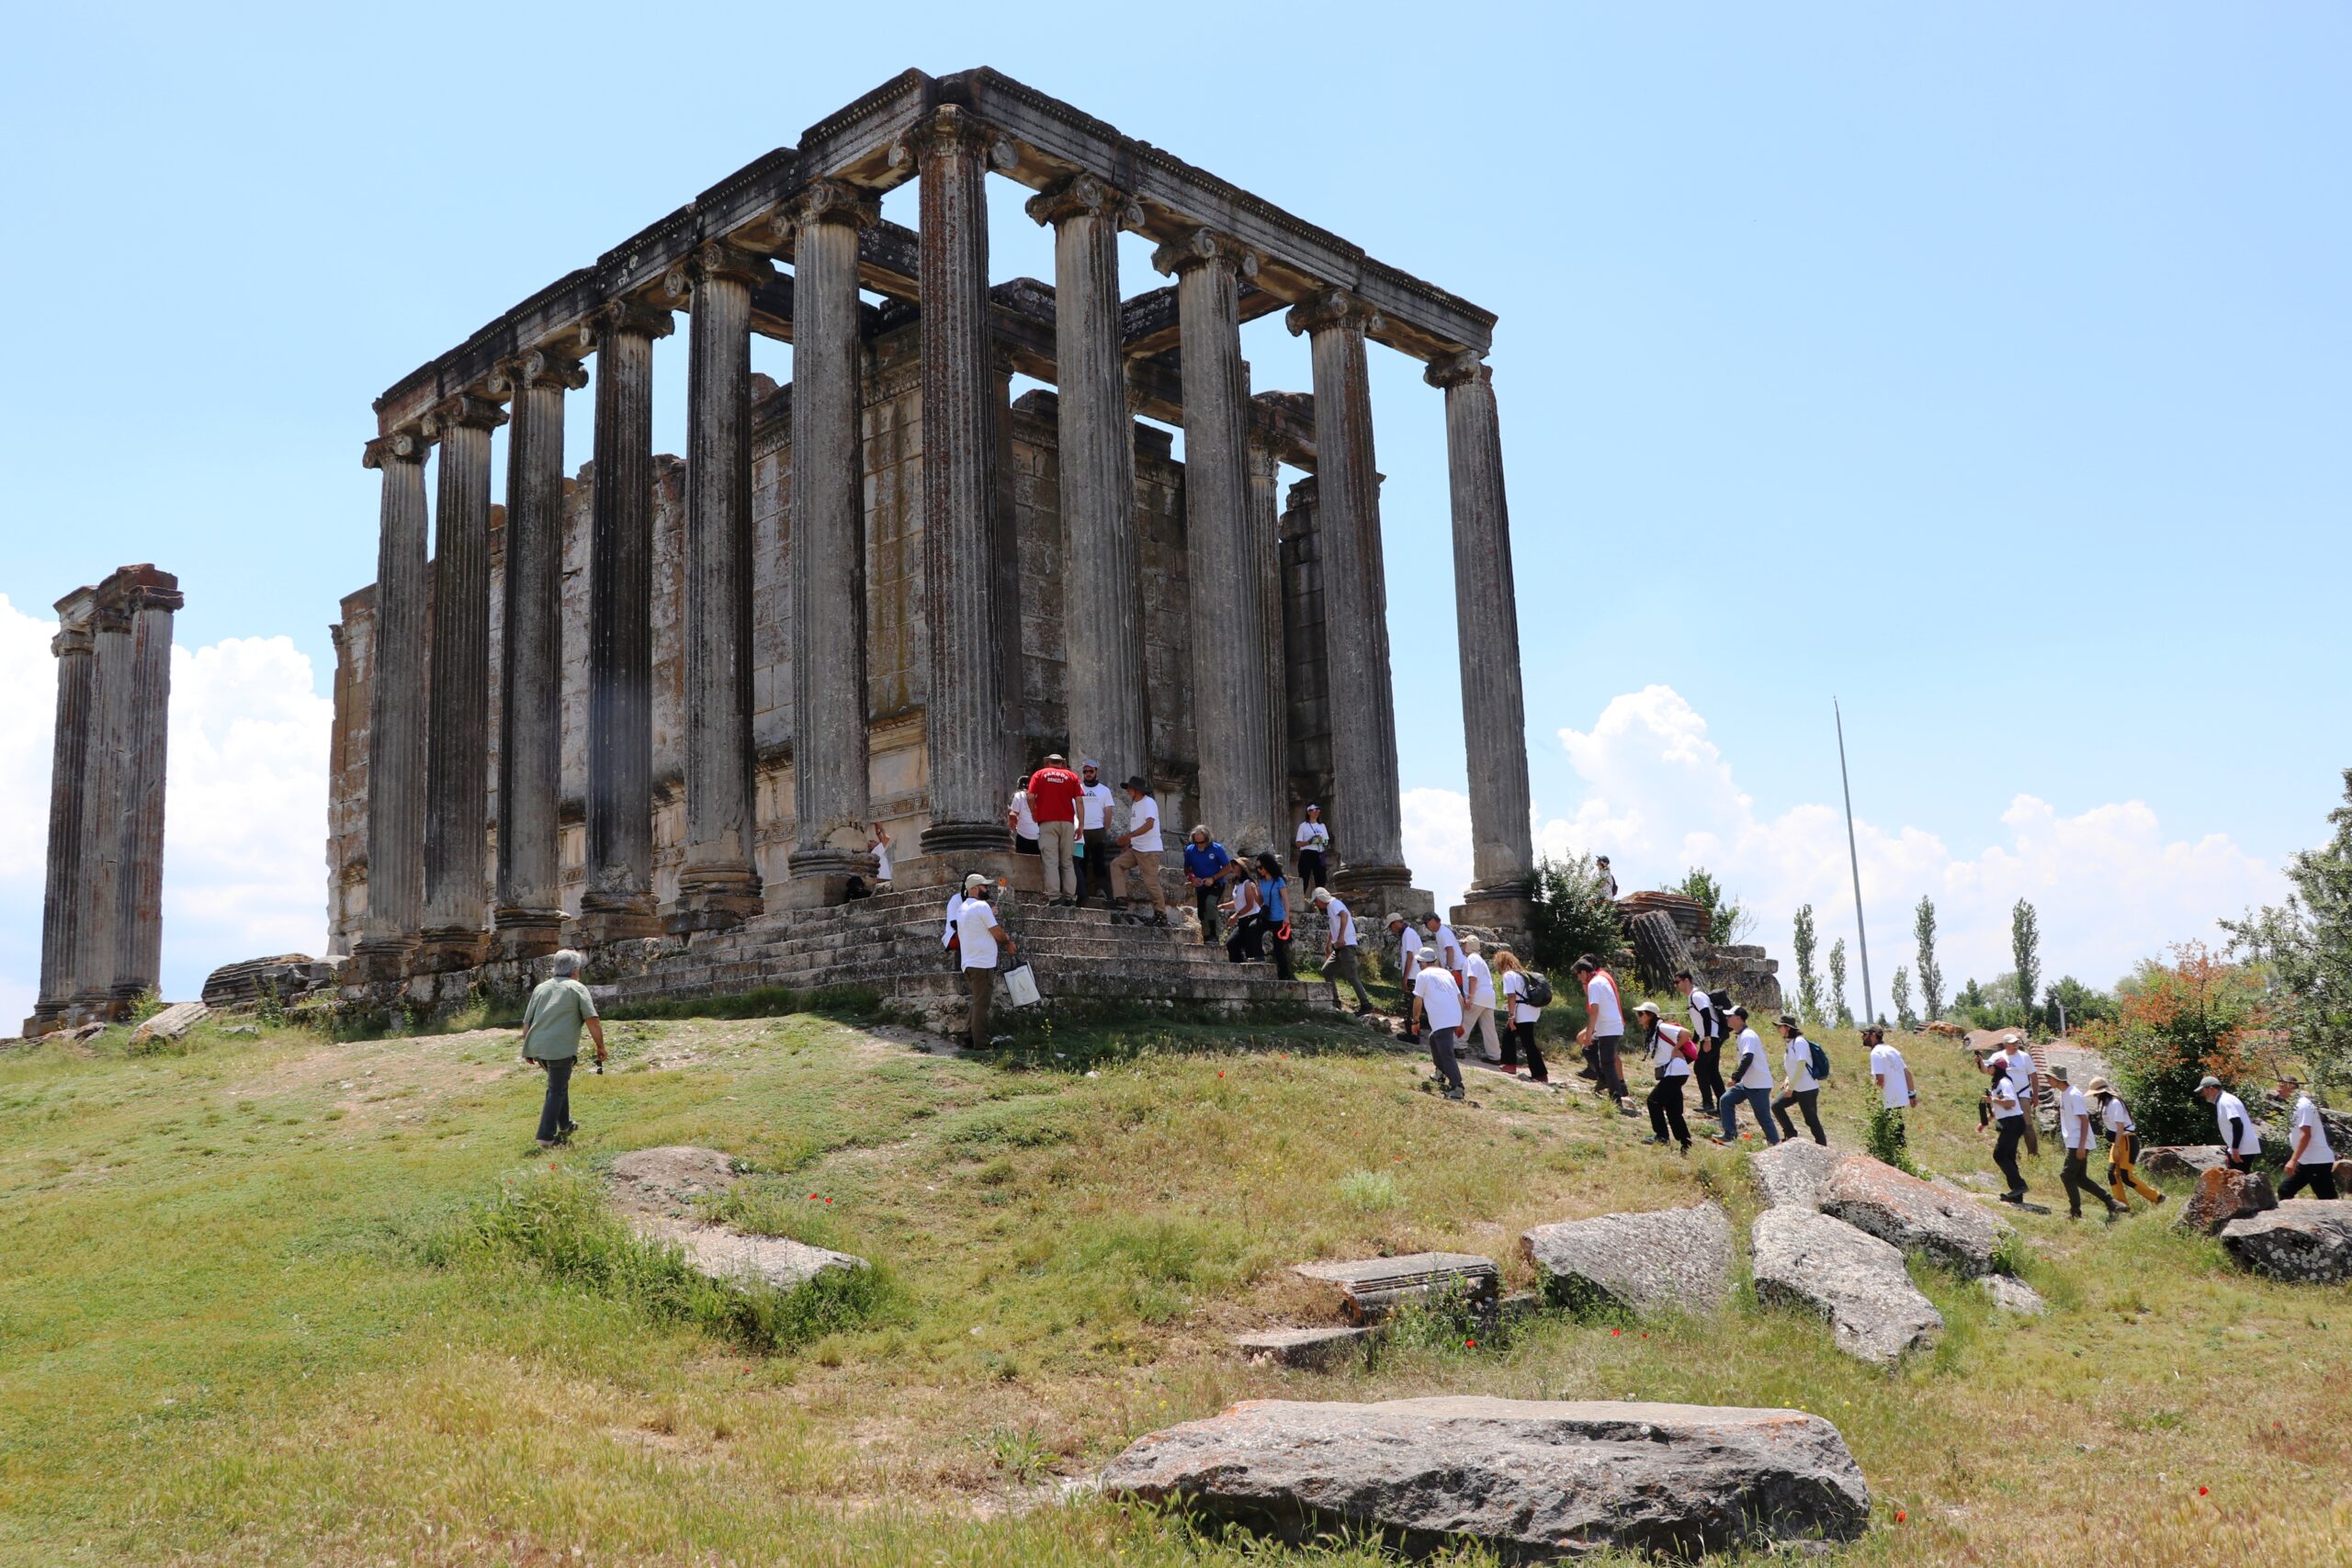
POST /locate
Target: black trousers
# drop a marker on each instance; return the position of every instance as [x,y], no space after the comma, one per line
[2004,1153]
[1282,951]
[1249,939]
[2077,1179]
[1519,1041]
[1665,1109]
[1709,1070]
[2320,1178]
[1094,865]
[1310,870]
[1807,1101]
[1606,1071]
[1441,1057]
[1205,902]
[555,1114]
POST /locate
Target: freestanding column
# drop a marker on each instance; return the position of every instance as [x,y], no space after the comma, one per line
[1265,543]
[618,902]
[529,913]
[1366,828]
[68,892]
[1101,595]
[963,713]
[719,884]
[1232,686]
[396,716]
[150,597]
[97,938]
[456,748]
[1486,611]
[830,786]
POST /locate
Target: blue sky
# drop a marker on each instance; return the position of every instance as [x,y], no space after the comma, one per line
[1989,367]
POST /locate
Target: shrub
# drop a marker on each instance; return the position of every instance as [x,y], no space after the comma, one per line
[2179,1022]
[1884,1141]
[1369,1190]
[1571,916]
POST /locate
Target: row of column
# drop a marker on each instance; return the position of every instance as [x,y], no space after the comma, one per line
[102,909]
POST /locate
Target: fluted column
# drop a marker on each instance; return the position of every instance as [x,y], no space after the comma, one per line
[68,889]
[106,794]
[1231,684]
[719,884]
[151,597]
[1266,562]
[830,786]
[1486,612]
[618,901]
[1366,816]
[396,714]
[529,912]
[456,746]
[1004,605]
[1102,593]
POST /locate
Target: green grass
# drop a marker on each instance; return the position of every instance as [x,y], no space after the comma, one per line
[280,1299]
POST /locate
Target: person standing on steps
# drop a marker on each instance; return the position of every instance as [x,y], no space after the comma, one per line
[2122,1146]
[1139,850]
[1342,960]
[1274,898]
[1438,999]
[1248,915]
[951,939]
[1519,1042]
[1313,842]
[1094,851]
[981,938]
[559,1008]
[1608,878]
[1604,1030]
[1020,819]
[1707,1023]
[877,844]
[1751,1083]
[1479,1000]
[1409,964]
[2074,1133]
[2311,1160]
[1442,946]
[1204,863]
[1797,1063]
[1892,1077]
[2241,1139]
[1672,1050]
[1053,791]
[2008,1104]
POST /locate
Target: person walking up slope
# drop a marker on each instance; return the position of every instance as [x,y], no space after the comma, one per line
[2008,1104]
[1751,1083]
[1672,1050]
[2122,1146]
[2241,1139]
[1802,1061]
[2074,1133]
[1604,1030]
[1707,1023]
[1342,960]
[1479,1000]
[2311,1160]
[1439,1000]
[1892,1077]
[1520,1043]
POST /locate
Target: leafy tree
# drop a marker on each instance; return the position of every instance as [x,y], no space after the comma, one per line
[1808,983]
[1904,1018]
[1844,1014]
[1726,921]
[2307,945]
[2078,1002]
[1932,978]
[2025,945]
[1571,915]
[1970,997]
[2177,1023]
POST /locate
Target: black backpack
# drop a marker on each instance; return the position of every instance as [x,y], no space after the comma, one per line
[1539,990]
[1711,1015]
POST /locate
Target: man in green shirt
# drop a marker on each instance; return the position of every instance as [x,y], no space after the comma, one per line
[552,1023]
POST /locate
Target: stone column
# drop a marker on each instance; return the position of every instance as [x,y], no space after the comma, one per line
[98,936]
[618,902]
[1486,609]
[67,894]
[1366,816]
[830,782]
[151,597]
[1004,607]
[456,746]
[1102,593]
[964,714]
[396,717]
[1231,682]
[719,884]
[1266,560]
[529,912]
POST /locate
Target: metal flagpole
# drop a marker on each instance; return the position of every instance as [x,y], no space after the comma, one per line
[1853,857]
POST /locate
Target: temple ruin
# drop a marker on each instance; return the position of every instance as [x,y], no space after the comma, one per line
[102,915]
[659,704]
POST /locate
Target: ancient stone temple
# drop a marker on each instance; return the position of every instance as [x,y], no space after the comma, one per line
[102,915]
[668,696]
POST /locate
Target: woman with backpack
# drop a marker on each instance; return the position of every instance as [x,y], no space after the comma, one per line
[1672,1050]
[1521,987]
[1807,1067]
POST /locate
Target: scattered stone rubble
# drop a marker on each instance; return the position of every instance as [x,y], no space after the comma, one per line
[170,1023]
[1642,1262]
[2305,1240]
[1854,1279]
[1913,1215]
[2223,1195]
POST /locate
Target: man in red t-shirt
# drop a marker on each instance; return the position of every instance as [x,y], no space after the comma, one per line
[1053,801]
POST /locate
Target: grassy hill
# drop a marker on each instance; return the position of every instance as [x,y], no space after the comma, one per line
[276,1298]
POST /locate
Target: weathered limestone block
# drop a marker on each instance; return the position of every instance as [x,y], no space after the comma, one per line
[1946,1224]
[1312,1348]
[1371,1288]
[2225,1195]
[2306,1240]
[1646,1262]
[1533,1480]
[170,1023]
[2014,1295]
[1854,1279]
[1791,1173]
[656,1190]
[2181,1162]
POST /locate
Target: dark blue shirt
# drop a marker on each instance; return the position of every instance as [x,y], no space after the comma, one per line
[1205,862]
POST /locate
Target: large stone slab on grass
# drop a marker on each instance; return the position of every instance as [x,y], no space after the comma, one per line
[669,1179]
[1372,1288]
[2181,1162]
[170,1023]
[2014,1295]
[656,1190]
[1304,1347]
[2225,1195]
[1854,1279]
[1532,1479]
[1912,1214]
[2306,1240]
[1642,1262]
[1790,1172]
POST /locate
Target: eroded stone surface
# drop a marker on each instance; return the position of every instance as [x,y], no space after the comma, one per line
[1854,1279]
[1303,1347]
[172,1022]
[1912,1214]
[2225,1195]
[1790,1172]
[668,1181]
[2181,1162]
[2014,1295]
[1669,1258]
[1371,1288]
[2307,1240]
[1535,1480]
[656,1189]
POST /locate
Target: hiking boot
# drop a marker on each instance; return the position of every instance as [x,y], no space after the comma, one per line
[2018,1197]
[1457,1093]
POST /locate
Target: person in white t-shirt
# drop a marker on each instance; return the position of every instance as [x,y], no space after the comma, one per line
[1672,1065]
[877,844]
[1444,946]
[1409,963]
[2024,1077]
[2074,1133]
[1751,1081]
[1343,954]
[1313,842]
[1479,1000]
[1438,999]
[1020,819]
[1518,1038]
[2007,1101]
[2122,1146]
[980,938]
[2311,1159]
[1890,1076]
[1804,1089]
[1094,853]
[1140,851]
[2241,1139]
[1604,1029]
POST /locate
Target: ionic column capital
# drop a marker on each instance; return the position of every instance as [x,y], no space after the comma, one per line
[1083,195]
[405,445]
[541,368]
[1198,248]
[625,317]
[827,201]
[467,410]
[1458,369]
[717,260]
[73,637]
[1332,308]
[950,128]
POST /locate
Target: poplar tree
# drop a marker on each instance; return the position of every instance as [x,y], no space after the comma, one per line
[1837,1008]
[1808,983]
[1932,977]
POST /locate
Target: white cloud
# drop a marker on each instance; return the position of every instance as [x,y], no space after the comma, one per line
[27,718]
[2109,888]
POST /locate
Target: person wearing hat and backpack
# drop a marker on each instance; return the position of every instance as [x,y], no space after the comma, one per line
[2311,1160]
[1525,992]
[1707,1023]
[1751,1081]
[1672,1050]
[2122,1144]
[1807,1066]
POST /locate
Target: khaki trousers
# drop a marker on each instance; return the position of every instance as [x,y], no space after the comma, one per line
[1054,841]
[1131,864]
[1476,1019]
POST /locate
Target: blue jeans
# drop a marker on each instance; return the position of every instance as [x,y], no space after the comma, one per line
[1761,1099]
